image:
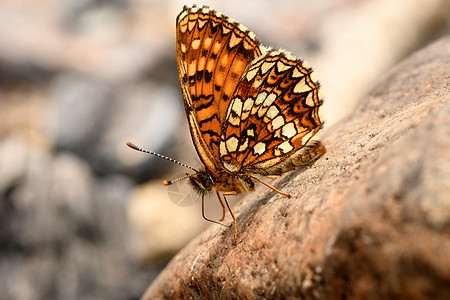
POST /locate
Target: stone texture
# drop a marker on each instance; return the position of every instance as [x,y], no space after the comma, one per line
[369,220]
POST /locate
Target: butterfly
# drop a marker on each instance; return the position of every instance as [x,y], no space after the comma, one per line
[252,110]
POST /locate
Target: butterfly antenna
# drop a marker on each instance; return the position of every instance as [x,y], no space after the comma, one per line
[169,182]
[133,146]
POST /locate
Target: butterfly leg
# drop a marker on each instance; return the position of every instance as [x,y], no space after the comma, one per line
[223,207]
[271,187]
[203,212]
[231,213]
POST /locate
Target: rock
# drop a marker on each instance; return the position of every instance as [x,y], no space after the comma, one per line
[369,220]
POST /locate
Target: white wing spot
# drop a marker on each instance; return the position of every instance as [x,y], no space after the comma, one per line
[301,86]
[285,147]
[272,112]
[281,67]
[232,144]
[259,148]
[306,138]
[270,99]
[260,98]
[296,73]
[237,105]
[289,130]
[267,102]
[277,122]
[246,109]
[248,104]
[266,66]
[251,74]
[309,100]
[223,149]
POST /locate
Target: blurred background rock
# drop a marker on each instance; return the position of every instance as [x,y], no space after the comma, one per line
[84,217]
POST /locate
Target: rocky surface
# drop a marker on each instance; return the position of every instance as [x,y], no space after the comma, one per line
[369,220]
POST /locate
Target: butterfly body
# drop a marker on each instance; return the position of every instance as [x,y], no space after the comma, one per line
[234,183]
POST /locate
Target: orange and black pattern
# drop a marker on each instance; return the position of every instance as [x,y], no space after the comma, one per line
[251,109]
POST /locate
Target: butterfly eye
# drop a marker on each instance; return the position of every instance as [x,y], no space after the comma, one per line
[201,181]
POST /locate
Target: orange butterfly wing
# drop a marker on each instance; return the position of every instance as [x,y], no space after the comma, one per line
[272,117]
[213,51]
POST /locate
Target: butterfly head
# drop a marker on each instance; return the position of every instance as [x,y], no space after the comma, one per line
[201,181]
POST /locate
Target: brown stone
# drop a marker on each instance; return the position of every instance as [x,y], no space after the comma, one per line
[369,220]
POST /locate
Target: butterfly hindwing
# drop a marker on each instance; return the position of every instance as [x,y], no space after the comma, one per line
[272,116]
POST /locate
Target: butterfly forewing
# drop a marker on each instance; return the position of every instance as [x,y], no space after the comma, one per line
[213,52]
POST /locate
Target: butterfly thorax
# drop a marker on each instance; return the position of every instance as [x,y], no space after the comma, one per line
[203,182]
